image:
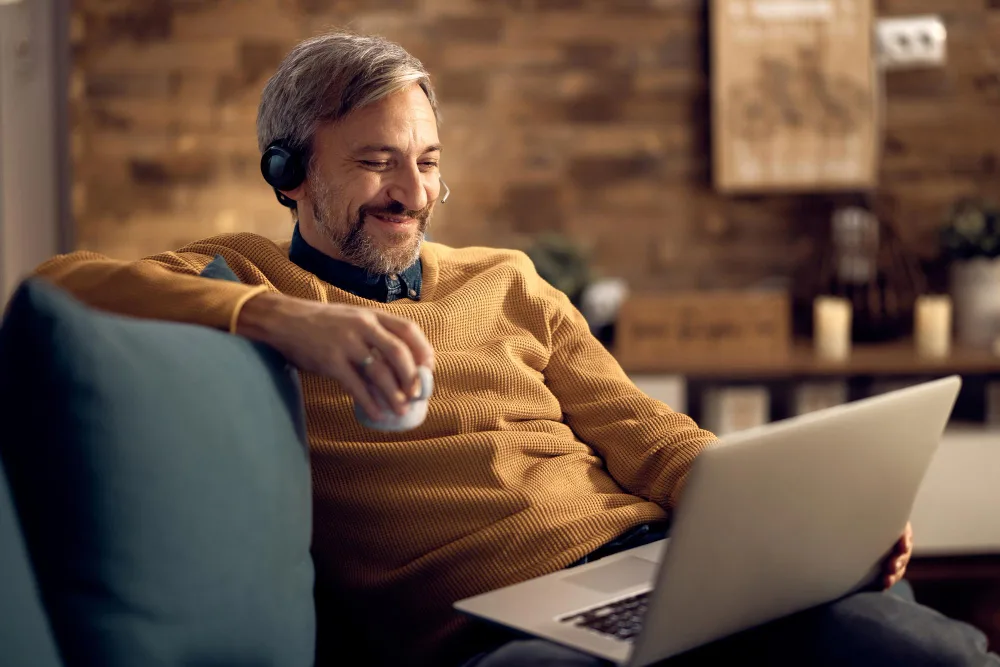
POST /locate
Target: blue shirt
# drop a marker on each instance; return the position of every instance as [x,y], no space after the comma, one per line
[354,279]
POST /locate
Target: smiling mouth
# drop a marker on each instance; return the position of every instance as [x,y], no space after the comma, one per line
[395,219]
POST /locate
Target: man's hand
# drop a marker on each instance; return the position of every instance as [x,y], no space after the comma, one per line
[340,341]
[894,566]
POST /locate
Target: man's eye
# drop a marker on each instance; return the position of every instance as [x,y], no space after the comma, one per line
[430,164]
[375,164]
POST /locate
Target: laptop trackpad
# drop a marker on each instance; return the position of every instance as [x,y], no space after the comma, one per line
[616,576]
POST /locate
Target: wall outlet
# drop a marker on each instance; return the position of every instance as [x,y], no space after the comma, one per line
[911,42]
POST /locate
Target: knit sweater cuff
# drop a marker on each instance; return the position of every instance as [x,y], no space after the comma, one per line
[238,308]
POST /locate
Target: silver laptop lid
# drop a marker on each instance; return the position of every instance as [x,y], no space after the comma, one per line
[780,518]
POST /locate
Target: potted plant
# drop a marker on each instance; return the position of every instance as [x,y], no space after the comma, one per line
[563,263]
[566,266]
[971,244]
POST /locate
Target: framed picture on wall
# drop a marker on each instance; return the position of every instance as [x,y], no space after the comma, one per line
[794,95]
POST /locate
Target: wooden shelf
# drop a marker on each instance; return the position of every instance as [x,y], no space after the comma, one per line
[880,359]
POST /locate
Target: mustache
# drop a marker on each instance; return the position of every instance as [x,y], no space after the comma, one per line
[395,208]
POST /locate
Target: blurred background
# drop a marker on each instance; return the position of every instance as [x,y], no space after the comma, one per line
[763,207]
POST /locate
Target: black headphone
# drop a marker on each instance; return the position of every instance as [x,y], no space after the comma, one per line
[283,168]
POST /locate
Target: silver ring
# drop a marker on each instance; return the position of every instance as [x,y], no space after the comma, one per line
[366,362]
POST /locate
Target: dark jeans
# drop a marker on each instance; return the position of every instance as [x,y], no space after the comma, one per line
[862,630]
[644,534]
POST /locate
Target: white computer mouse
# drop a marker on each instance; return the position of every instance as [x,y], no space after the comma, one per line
[413,417]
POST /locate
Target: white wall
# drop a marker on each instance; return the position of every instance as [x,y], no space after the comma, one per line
[958,508]
[32,135]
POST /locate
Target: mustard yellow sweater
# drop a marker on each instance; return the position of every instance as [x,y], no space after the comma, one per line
[536,450]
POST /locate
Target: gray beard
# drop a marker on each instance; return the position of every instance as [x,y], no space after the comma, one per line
[357,247]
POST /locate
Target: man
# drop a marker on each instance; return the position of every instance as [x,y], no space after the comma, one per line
[537,450]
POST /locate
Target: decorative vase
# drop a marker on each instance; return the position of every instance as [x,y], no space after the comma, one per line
[865,262]
[975,290]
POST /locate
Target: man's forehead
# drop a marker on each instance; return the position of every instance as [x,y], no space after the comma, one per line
[391,148]
[403,121]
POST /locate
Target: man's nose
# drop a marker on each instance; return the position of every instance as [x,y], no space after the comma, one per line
[409,189]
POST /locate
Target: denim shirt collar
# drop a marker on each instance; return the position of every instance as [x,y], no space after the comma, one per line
[353,279]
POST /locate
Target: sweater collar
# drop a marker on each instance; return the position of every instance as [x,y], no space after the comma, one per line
[354,279]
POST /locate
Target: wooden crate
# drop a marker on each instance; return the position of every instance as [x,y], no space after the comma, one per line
[794,95]
[709,326]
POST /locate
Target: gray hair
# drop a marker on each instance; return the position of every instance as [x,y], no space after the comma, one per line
[327,77]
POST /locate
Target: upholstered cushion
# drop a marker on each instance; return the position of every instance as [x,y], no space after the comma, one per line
[25,636]
[218,268]
[161,474]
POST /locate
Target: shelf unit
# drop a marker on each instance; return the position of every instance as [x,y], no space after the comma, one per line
[890,359]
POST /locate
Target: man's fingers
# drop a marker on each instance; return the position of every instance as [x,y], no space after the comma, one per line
[411,334]
[385,381]
[367,364]
[895,572]
[900,548]
[907,539]
[395,353]
[896,564]
[354,385]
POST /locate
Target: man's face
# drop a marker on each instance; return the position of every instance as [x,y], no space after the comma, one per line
[373,182]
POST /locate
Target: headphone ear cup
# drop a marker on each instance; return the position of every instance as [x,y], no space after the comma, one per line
[284,200]
[282,168]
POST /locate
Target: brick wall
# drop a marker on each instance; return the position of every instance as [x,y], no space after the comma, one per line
[588,117]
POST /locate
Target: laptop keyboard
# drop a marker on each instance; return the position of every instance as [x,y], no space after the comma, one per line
[621,619]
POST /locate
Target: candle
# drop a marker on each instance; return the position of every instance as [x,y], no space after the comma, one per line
[832,328]
[932,326]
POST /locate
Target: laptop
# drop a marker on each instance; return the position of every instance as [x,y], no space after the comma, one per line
[773,520]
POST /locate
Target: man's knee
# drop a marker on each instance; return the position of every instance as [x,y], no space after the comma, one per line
[875,629]
[537,653]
